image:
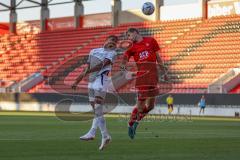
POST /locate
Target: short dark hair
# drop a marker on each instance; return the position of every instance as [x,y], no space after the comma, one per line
[113,38]
[131,30]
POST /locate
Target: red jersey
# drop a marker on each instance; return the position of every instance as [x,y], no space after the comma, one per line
[144,54]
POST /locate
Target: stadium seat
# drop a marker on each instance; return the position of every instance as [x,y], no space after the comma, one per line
[196,52]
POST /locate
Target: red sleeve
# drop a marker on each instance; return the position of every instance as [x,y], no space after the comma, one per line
[128,53]
[155,45]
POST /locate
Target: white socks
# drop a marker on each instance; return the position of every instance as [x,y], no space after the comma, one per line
[101,123]
[93,129]
[98,121]
[102,126]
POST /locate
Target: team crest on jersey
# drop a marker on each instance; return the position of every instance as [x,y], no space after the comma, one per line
[143,55]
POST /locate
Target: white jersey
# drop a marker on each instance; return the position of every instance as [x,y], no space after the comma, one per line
[96,57]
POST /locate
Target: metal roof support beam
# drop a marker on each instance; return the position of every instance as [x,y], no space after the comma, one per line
[4,5]
[33,2]
[19,3]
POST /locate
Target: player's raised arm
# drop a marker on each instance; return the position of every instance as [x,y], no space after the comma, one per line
[110,46]
[124,62]
[87,70]
[81,76]
[98,67]
[125,59]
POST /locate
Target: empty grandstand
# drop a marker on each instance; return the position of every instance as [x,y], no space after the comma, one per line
[200,52]
[195,51]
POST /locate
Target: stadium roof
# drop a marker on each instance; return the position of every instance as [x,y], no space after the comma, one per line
[25,4]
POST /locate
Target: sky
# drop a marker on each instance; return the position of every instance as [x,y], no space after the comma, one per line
[90,7]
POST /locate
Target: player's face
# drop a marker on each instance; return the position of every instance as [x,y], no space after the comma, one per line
[110,44]
[132,36]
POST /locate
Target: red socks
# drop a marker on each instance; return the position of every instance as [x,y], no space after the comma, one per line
[133,117]
[137,115]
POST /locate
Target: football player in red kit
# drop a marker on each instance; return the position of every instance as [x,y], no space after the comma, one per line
[145,51]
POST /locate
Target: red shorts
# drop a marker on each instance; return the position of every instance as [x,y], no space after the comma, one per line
[145,92]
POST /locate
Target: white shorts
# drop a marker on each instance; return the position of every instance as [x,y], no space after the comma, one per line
[98,87]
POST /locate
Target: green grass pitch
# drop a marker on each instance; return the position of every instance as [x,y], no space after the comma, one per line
[30,136]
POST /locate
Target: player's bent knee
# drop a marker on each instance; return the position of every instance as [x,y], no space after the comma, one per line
[92,103]
[98,100]
[151,106]
[98,110]
[140,107]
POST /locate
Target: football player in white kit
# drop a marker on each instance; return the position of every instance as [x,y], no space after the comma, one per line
[99,65]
